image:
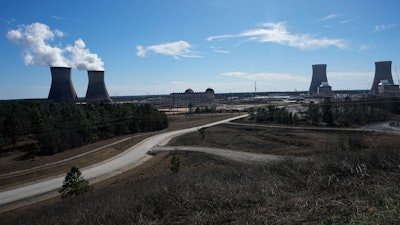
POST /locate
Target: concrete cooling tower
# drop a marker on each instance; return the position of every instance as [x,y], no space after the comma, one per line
[383,71]
[62,89]
[97,91]
[318,76]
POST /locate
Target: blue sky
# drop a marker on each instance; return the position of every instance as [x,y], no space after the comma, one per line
[164,46]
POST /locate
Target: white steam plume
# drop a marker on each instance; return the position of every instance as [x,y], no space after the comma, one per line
[34,39]
[82,59]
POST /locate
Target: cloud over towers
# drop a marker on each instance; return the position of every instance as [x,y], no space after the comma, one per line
[37,43]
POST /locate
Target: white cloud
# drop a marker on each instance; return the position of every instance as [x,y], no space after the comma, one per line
[350,80]
[363,47]
[351,75]
[219,50]
[383,27]
[270,77]
[82,58]
[176,49]
[346,21]
[277,33]
[330,16]
[34,40]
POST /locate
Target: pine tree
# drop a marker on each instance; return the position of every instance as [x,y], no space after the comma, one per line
[74,184]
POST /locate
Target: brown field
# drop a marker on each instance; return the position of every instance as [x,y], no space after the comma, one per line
[352,178]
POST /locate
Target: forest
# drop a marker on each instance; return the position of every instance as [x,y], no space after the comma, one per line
[334,113]
[45,128]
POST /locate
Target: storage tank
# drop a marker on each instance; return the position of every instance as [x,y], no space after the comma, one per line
[62,89]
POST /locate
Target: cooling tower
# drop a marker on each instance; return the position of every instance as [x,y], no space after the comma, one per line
[318,76]
[97,91]
[62,89]
[383,71]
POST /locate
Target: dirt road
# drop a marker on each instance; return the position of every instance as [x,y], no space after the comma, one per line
[239,156]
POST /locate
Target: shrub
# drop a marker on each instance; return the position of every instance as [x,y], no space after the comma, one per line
[175,164]
[74,184]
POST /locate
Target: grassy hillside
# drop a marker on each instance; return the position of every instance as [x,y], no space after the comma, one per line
[349,179]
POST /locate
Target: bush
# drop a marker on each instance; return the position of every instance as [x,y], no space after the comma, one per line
[175,164]
[74,184]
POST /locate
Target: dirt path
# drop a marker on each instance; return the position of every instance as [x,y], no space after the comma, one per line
[239,156]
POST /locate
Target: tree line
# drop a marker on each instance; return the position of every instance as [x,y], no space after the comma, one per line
[334,113]
[346,113]
[45,128]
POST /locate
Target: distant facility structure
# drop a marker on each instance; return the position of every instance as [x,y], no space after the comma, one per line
[62,89]
[319,83]
[97,91]
[383,78]
[189,97]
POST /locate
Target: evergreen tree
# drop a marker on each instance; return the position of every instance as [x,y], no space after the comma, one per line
[74,184]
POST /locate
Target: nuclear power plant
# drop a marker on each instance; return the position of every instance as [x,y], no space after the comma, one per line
[383,72]
[62,89]
[318,78]
[97,91]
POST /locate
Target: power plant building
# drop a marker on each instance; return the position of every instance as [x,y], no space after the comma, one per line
[383,72]
[318,76]
[194,98]
[97,91]
[62,89]
[386,88]
[324,90]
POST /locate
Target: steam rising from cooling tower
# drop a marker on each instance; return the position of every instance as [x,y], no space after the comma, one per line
[62,88]
[97,91]
[318,76]
[36,42]
[34,39]
[383,71]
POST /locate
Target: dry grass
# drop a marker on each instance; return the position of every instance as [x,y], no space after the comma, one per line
[289,192]
[353,179]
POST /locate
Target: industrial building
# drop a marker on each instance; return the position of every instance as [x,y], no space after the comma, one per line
[324,90]
[97,91]
[386,88]
[189,97]
[62,89]
[319,77]
[383,72]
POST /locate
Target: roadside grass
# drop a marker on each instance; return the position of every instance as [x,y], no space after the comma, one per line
[346,186]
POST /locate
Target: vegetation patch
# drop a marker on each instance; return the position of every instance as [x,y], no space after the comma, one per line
[321,191]
[45,128]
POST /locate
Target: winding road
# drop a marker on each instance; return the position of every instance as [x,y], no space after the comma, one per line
[32,192]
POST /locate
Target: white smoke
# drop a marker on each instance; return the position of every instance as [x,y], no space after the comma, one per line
[35,39]
[82,59]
